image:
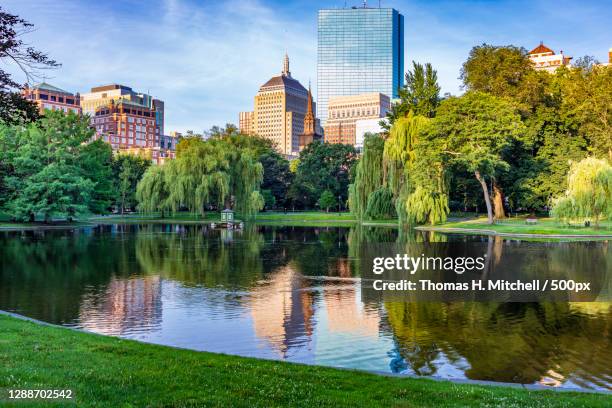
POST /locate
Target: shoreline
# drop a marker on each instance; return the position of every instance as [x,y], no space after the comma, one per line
[314,219]
[475,231]
[527,389]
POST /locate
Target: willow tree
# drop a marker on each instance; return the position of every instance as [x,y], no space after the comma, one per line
[247,176]
[152,191]
[369,174]
[589,192]
[413,172]
[399,151]
[220,172]
[198,177]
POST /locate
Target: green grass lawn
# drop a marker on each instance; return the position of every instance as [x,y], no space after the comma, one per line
[544,226]
[305,218]
[109,372]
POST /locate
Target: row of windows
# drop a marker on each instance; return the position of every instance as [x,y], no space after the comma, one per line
[61,108]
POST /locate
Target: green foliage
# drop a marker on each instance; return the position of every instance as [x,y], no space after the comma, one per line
[327,200]
[472,132]
[277,177]
[504,71]
[223,171]
[269,199]
[14,109]
[380,205]
[399,152]
[96,160]
[426,205]
[322,166]
[45,171]
[588,96]
[589,192]
[369,174]
[420,94]
[127,170]
[152,191]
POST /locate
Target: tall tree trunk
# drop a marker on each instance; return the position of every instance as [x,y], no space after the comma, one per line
[485,191]
[498,202]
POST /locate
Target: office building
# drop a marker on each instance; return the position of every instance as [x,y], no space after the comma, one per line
[345,111]
[545,59]
[245,123]
[125,125]
[280,108]
[49,97]
[101,96]
[360,50]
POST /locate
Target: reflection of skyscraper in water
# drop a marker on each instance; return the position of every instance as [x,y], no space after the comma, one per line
[282,312]
[345,310]
[127,306]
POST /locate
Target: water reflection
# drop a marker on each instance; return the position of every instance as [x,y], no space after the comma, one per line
[296,294]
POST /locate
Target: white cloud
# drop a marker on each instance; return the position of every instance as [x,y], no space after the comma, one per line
[206,63]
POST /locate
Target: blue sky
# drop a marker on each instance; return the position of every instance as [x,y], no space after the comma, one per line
[206,59]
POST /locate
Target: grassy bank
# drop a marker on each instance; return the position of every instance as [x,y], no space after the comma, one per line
[306,218]
[544,227]
[104,371]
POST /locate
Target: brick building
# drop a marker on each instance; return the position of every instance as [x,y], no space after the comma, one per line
[49,97]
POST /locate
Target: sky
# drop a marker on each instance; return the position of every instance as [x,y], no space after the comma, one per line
[206,59]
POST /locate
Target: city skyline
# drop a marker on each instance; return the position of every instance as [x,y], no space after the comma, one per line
[194,56]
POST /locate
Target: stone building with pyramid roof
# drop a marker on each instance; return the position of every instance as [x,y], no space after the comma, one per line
[280,107]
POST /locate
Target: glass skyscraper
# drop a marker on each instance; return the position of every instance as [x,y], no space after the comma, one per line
[360,50]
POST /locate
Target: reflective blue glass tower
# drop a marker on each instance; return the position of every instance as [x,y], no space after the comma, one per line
[360,50]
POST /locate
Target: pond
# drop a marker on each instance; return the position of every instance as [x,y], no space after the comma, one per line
[296,294]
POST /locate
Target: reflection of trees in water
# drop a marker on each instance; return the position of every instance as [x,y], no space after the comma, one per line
[201,256]
[43,274]
[514,342]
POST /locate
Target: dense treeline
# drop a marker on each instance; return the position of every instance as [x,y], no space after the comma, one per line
[506,144]
[245,173]
[50,169]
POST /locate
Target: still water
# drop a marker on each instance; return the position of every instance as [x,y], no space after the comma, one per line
[295,294]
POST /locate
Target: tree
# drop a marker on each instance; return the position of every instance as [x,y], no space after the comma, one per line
[589,192]
[507,72]
[152,191]
[420,94]
[13,107]
[327,200]
[369,175]
[415,172]
[96,162]
[277,177]
[222,171]
[589,98]
[322,166]
[504,71]
[380,204]
[269,199]
[472,131]
[45,174]
[127,170]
